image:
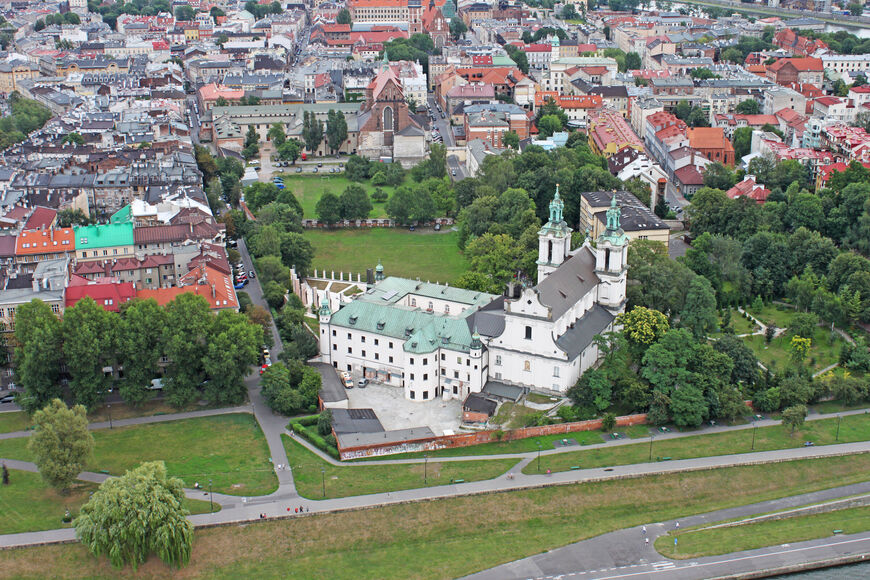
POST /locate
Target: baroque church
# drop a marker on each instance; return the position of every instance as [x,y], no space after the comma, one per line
[387,128]
[439,342]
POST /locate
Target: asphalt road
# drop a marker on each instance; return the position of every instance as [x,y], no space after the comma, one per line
[441,123]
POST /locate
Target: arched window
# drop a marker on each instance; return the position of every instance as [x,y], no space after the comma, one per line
[388,119]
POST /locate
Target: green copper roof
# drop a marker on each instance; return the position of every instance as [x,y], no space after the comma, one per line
[105,236]
[614,232]
[557,224]
[121,216]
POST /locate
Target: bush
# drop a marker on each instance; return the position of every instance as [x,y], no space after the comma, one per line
[757,304]
[324,423]
[379,195]
[379,179]
[312,437]
[608,422]
[308,420]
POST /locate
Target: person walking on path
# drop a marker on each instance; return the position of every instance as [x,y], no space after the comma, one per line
[644,530]
[646,541]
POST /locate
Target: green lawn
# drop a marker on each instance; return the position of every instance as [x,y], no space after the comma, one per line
[542,399]
[308,189]
[780,315]
[739,324]
[29,505]
[476,532]
[777,354]
[420,254]
[711,542]
[341,481]
[14,421]
[228,449]
[821,432]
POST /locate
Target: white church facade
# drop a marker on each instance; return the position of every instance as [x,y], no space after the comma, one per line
[435,341]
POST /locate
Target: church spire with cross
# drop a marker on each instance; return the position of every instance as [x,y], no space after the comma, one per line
[554,239]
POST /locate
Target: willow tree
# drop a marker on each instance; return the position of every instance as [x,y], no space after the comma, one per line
[140,513]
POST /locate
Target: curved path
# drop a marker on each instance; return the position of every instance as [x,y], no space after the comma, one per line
[625,554]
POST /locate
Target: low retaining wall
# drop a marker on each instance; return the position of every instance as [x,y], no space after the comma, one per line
[469,439]
[372,223]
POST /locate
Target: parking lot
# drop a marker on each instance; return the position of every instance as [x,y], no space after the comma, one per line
[396,412]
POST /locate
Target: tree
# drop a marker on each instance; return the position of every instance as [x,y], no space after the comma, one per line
[38,354]
[277,135]
[343,16]
[793,417]
[142,512]
[457,28]
[699,312]
[233,346]
[90,335]
[511,140]
[324,423]
[140,346]
[290,388]
[74,138]
[336,130]
[717,176]
[748,107]
[745,364]
[703,74]
[643,326]
[548,125]
[328,208]
[742,141]
[856,8]
[312,131]
[252,143]
[289,150]
[688,406]
[184,13]
[800,347]
[296,252]
[804,324]
[357,168]
[271,268]
[632,61]
[61,443]
[188,325]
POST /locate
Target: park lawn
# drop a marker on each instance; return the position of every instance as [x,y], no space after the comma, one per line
[821,432]
[228,449]
[739,324]
[541,399]
[780,315]
[421,254]
[313,324]
[777,355]
[478,532]
[309,188]
[635,431]
[12,421]
[29,505]
[344,481]
[712,542]
[122,410]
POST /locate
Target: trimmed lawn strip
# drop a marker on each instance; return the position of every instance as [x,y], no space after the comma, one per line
[14,421]
[228,449]
[542,399]
[150,408]
[341,481]
[780,315]
[821,432]
[420,254]
[29,505]
[308,189]
[410,540]
[696,544]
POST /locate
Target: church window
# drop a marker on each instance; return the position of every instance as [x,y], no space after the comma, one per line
[528,333]
[555,371]
[527,366]
[607,259]
[550,251]
[388,119]
[498,360]
[412,395]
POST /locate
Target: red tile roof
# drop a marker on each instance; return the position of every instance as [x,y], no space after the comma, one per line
[748,188]
[206,281]
[50,241]
[41,218]
[108,294]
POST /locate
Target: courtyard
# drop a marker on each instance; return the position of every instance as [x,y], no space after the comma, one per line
[396,412]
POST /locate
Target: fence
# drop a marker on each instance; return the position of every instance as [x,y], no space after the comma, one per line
[469,439]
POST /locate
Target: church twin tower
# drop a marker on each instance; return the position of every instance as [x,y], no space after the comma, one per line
[610,251]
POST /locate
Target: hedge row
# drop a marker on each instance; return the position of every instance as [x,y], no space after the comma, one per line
[307,421]
[312,437]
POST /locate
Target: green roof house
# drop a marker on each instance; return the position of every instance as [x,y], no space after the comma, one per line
[104,242]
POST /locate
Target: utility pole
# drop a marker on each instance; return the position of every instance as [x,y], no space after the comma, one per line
[210,498]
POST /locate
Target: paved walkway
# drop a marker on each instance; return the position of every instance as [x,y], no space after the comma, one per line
[624,553]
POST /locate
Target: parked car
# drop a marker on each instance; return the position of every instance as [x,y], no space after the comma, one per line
[346,380]
[320,163]
[314,170]
[156,385]
[7,399]
[362,383]
[298,170]
[252,274]
[437,227]
[453,172]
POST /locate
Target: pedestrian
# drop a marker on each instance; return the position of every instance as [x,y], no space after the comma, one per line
[646,541]
[678,525]
[296,510]
[301,509]
[644,530]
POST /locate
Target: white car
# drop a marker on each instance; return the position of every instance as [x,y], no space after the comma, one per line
[156,385]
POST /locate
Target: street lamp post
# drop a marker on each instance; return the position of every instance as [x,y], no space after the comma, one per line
[109,410]
[538,443]
[754,429]
[838,426]
[210,498]
[323,481]
[651,435]
[425,466]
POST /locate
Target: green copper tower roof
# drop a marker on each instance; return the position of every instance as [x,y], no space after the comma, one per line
[556,225]
[614,232]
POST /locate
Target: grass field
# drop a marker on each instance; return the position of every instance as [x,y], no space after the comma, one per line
[420,254]
[341,481]
[777,355]
[29,505]
[309,188]
[739,324]
[821,432]
[780,315]
[14,421]
[147,409]
[451,537]
[711,542]
[228,449]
